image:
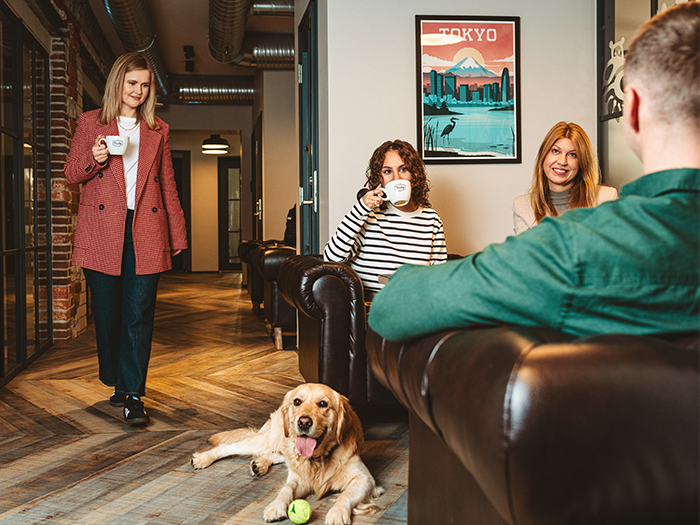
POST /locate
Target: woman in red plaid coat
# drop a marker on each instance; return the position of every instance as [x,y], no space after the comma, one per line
[130,223]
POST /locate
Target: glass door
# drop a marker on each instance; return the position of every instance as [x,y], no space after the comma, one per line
[25,203]
[229,190]
[308,132]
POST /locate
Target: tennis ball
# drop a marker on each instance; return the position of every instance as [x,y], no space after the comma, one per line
[299,511]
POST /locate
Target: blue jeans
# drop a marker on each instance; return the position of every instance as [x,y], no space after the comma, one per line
[124,308]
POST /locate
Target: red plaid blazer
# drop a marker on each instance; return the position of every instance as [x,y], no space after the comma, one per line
[159,224]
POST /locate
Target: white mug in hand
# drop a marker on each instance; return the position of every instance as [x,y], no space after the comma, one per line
[398,191]
[116,145]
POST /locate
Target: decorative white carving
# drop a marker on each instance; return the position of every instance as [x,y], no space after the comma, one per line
[613,96]
[663,6]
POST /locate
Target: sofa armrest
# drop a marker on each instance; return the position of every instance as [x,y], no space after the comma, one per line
[268,259]
[604,429]
[254,281]
[304,278]
[332,325]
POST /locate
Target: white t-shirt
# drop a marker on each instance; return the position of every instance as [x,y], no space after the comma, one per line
[129,128]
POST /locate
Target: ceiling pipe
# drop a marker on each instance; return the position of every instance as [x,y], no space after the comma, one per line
[273,8]
[268,51]
[205,89]
[227,19]
[227,22]
[133,25]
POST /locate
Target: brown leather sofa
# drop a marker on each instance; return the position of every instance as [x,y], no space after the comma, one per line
[530,426]
[254,281]
[332,323]
[280,317]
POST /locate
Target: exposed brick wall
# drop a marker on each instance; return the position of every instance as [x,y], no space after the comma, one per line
[70,306]
[69,290]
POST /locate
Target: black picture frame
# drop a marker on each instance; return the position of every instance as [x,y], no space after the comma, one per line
[464,115]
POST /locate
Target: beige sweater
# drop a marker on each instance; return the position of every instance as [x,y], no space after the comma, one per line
[524,215]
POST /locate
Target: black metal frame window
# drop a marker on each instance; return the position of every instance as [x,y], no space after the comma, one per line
[25,237]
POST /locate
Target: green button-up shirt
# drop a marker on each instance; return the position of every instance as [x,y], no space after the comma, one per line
[627,266]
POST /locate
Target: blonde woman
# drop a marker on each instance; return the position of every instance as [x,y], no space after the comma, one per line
[566,175]
[130,223]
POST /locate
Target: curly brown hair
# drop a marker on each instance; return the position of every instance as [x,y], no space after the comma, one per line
[419,181]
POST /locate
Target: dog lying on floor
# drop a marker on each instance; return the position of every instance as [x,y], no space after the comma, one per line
[319,436]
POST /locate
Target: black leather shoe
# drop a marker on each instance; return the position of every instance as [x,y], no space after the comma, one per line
[135,412]
[117,399]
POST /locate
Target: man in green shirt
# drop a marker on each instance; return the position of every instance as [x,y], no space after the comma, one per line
[627,266]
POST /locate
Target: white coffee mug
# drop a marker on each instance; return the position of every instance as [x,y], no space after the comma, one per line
[398,191]
[116,145]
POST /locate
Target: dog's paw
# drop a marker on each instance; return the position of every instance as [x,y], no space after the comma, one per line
[200,460]
[275,511]
[259,467]
[338,515]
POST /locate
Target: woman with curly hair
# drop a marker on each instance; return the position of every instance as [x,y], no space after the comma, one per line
[376,237]
[566,175]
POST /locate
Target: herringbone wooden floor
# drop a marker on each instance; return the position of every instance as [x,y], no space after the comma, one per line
[66,455]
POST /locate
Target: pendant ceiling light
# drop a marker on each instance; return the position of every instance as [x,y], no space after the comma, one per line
[215,145]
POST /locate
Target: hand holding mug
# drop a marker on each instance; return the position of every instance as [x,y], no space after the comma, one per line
[115,144]
[99,150]
[373,198]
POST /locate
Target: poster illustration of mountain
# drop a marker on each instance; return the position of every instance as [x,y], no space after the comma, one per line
[468,89]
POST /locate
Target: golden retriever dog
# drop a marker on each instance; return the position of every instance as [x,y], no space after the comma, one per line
[319,437]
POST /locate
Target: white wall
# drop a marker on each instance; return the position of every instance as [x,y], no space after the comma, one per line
[189,126]
[368,95]
[618,163]
[280,147]
[203,227]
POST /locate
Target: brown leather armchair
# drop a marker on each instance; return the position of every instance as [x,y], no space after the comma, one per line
[254,280]
[531,426]
[280,317]
[332,323]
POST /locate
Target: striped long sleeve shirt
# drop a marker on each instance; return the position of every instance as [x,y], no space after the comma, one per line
[377,242]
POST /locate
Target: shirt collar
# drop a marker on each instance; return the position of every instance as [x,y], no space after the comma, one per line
[660,182]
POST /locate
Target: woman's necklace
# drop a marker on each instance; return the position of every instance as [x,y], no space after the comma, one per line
[119,122]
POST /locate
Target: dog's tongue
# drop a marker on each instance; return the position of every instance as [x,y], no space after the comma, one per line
[306,446]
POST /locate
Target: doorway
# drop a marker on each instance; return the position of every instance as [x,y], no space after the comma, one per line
[308,131]
[182,262]
[229,218]
[256,182]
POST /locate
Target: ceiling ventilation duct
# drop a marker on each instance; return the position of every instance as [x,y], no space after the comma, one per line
[227,22]
[268,51]
[273,8]
[202,89]
[132,23]
[227,19]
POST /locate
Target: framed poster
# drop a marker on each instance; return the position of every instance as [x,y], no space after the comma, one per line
[468,77]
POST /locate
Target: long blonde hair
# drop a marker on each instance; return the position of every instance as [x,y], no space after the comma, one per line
[112,98]
[584,191]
